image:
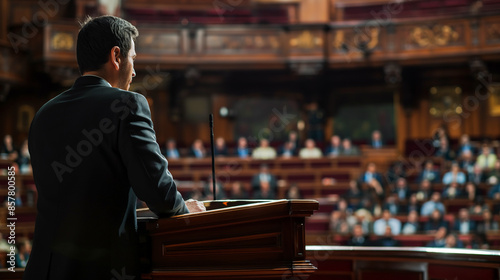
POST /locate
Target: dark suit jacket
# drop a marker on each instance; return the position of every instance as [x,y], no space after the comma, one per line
[256,182]
[93,149]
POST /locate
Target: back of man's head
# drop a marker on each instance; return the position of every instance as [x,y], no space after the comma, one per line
[98,36]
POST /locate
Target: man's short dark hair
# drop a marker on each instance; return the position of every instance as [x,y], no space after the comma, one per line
[98,36]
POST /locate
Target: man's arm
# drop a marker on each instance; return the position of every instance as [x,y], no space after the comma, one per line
[146,167]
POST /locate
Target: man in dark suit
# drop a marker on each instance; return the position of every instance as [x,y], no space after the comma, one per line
[264,176]
[94,152]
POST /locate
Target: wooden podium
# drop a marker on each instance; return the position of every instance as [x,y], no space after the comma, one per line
[232,240]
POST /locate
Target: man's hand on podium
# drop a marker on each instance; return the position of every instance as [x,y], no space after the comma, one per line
[195,206]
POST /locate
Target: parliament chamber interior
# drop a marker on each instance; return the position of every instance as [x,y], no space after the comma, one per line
[385,112]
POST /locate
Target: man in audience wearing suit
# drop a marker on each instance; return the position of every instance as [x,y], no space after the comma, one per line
[94,152]
[264,176]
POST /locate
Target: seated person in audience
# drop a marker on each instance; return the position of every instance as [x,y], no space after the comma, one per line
[264,151]
[338,222]
[23,253]
[292,144]
[488,223]
[401,189]
[452,241]
[444,151]
[171,151]
[479,241]
[348,149]
[412,225]
[434,203]
[8,151]
[486,160]
[4,245]
[358,238]
[477,176]
[452,191]
[238,192]
[392,204]
[424,191]
[264,176]
[454,175]
[435,222]
[494,191]
[24,159]
[288,150]
[377,139]
[364,218]
[412,204]
[479,206]
[463,223]
[379,226]
[293,192]
[429,173]
[372,179]
[467,162]
[439,238]
[388,239]
[354,192]
[197,149]
[242,150]
[310,150]
[208,189]
[495,172]
[395,172]
[440,133]
[470,191]
[465,146]
[220,147]
[335,147]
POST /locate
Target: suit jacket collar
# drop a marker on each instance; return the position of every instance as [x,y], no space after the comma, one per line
[90,80]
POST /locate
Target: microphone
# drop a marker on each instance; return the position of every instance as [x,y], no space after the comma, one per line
[211,119]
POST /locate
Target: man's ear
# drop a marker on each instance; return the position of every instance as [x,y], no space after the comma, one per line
[115,57]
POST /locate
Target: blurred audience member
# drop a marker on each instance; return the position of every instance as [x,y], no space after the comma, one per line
[495,172]
[372,179]
[444,151]
[436,221]
[4,246]
[395,172]
[439,134]
[354,191]
[488,223]
[470,191]
[288,150]
[429,173]
[293,192]
[238,192]
[412,225]
[358,238]
[424,190]
[23,253]
[364,218]
[24,159]
[439,238]
[8,151]
[412,204]
[377,139]
[310,150]
[479,206]
[392,204]
[335,147]
[338,222]
[467,162]
[208,189]
[452,241]
[379,227]
[264,151]
[388,239]
[454,175]
[465,146]
[486,160]
[264,176]
[197,149]
[402,189]
[171,151]
[494,191]
[434,203]
[477,176]
[220,148]
[452,191]
[463,223]
[242,150]
[348,149]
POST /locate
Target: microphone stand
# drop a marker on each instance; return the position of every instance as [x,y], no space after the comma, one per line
[211,119]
